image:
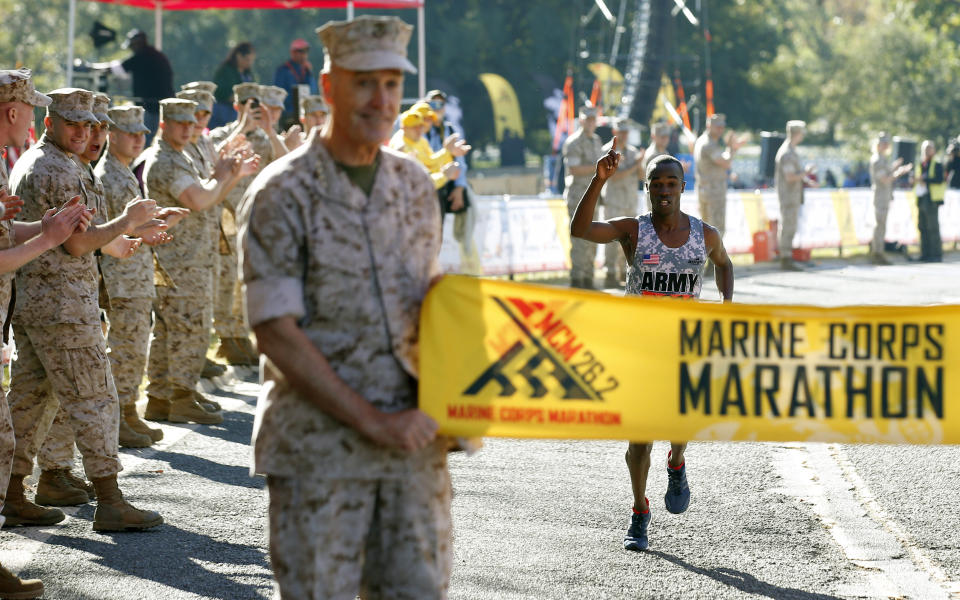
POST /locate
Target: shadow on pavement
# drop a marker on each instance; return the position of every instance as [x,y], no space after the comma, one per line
[237,427]
[169,555]
[206,468]
[744,582]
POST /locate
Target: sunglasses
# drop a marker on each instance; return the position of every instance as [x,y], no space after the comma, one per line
[437,104]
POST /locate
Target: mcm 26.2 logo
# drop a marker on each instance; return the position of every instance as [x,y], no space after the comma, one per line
[541,355]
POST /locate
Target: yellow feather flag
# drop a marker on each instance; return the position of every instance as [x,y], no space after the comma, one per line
[666,94]
[611,84]
[506,108]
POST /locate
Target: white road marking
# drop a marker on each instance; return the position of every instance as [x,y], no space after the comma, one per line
[893,565]
[18,555]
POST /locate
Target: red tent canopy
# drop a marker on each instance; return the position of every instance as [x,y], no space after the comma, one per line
[158,6]
[247,4]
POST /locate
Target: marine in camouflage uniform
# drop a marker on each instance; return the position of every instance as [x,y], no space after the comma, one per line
[580,151]
[178,347]
[235,345]
[621,196]
[883,172]
[320,256]
[659,139]
[712,161]
[788,179]
[203,153]
[128,282]
[62,359]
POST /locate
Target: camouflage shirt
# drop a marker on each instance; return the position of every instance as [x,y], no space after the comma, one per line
[788,163]
[659,270]
[203,155]
[166,174]
[129,277]
[260,144]
[353,271]
[6,241]
[628,186]
[580,150]
[880,166]
[711,177]
[56,287]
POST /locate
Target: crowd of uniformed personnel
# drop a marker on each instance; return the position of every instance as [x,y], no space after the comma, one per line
[113,242]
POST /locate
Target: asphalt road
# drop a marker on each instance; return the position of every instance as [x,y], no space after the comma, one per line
[545,519]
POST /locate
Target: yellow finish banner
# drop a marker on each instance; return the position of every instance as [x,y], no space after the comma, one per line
[517,360]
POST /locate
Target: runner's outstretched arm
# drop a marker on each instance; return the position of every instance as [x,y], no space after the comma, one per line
[582,225]
[723,266]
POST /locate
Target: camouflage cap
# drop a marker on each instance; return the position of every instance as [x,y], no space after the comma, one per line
[203,99]
[206,86]
[796,127]
[367,43]
[620,124]
[101,107]
[72,104]
[312,104]
[718,119]
[661,129]
[128,118]
[272,95]
[177,109]
[245,91]
[587,111]
[17,86]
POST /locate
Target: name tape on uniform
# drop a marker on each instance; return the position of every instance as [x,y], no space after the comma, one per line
[519,360]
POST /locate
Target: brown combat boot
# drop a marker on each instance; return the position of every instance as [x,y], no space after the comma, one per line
[14,588]
[212,369]
[20,511]
[158,409]
[184,408]
[207,403]
[131,439]
[116,514]
[80,483]
[238,351]
[55,489]
[132,417]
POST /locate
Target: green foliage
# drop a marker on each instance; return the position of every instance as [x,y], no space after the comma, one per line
[851,66]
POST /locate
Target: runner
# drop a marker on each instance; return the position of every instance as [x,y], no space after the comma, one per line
[664,242]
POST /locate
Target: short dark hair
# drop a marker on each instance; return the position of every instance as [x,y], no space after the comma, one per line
[656,160]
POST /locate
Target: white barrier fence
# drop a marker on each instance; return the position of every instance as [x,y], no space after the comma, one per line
[527,234]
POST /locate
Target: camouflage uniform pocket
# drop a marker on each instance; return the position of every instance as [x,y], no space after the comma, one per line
[87,370]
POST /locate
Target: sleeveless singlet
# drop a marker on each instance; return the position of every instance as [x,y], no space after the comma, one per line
[659,270]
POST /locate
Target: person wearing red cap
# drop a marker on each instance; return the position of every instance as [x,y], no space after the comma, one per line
[291,75]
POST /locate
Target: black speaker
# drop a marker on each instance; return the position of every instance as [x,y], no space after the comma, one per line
[906,149]
[770,142]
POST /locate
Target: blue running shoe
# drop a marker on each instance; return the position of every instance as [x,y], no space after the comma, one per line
[636,538]
[677,497]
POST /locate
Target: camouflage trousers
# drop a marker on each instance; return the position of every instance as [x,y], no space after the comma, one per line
[582,252]
[64,366]
[789,215]
[335,539]
[178,347]
[713,207]
[618,203]
[228,310]
[129,341]
[8,442]
[881,204]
